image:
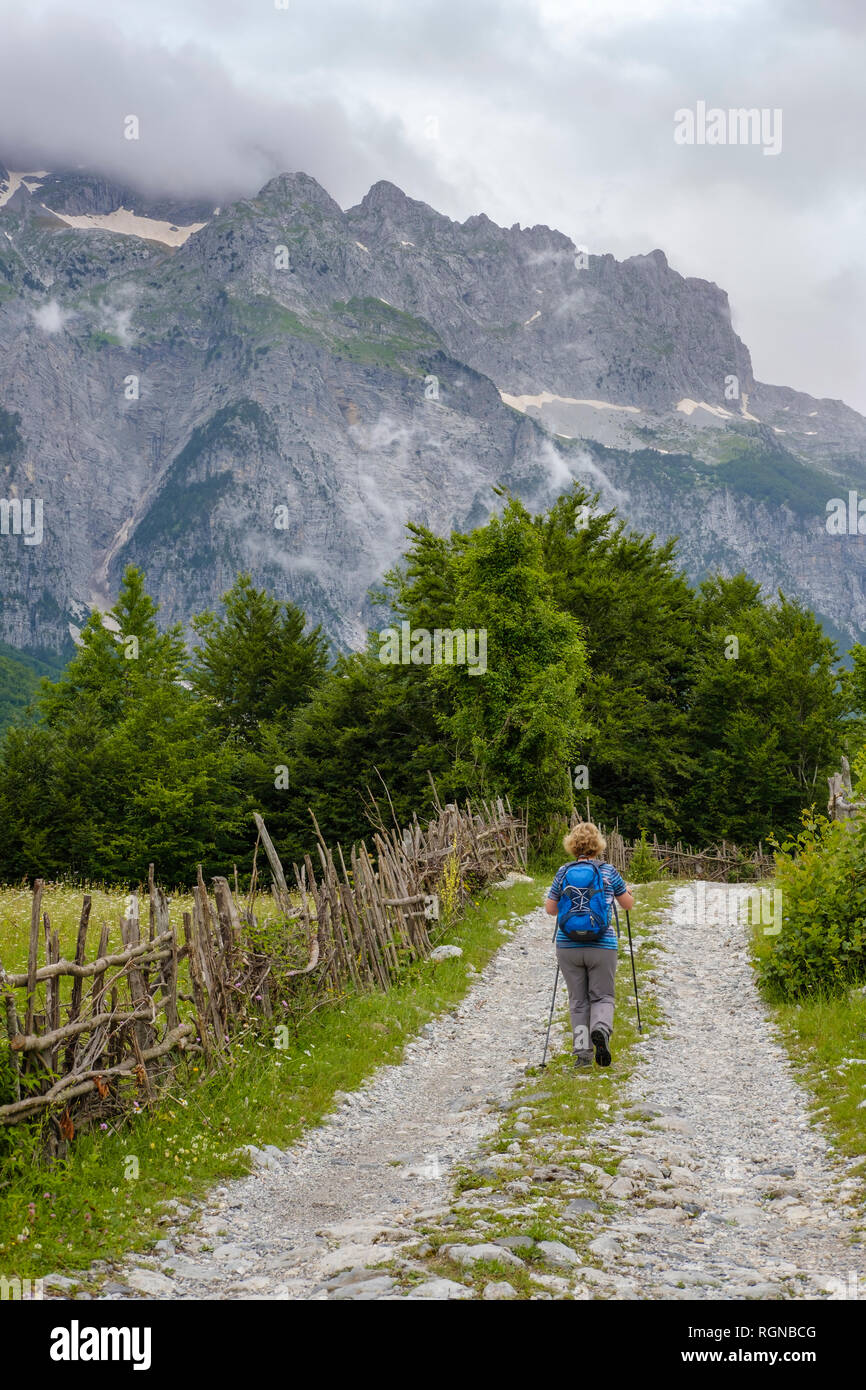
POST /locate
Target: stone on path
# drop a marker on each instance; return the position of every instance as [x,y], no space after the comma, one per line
[498,1290]
[559,1254]
[440,1289]
[471,1254]
[151,1282]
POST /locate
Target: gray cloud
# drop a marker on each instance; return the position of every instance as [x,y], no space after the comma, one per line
[203,132]
[529,110]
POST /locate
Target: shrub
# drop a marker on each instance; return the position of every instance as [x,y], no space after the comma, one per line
[821,874]
[644,867]
[450,887]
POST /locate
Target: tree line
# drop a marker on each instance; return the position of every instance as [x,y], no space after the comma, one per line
[702,712]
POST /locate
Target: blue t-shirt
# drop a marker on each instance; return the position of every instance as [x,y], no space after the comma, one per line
[614,884]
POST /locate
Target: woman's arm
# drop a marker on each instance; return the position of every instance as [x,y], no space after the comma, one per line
[551,906]
[625,900]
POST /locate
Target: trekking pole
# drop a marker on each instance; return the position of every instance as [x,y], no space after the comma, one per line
[550,1020]
[633,973]
[552,1006]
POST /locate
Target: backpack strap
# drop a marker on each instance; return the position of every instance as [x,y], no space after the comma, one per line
[596,869]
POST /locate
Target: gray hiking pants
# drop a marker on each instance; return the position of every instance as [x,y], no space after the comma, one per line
[589,973]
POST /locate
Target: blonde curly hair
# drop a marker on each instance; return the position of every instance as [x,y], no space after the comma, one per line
[585,841]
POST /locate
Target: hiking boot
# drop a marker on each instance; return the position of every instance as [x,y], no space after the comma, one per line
[581,1062]
[602,1051]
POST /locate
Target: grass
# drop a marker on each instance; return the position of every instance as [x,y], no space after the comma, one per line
[62,903]
[820,1033]
[108,1195]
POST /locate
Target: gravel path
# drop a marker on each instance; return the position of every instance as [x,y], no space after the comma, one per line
[759,1201]
[386,1153]
[723,1190]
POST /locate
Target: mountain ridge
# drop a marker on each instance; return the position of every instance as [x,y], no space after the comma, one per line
[362,368]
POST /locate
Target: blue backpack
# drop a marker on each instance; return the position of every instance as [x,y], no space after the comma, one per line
[583,914]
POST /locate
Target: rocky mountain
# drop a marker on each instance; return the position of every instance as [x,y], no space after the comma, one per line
[278,385]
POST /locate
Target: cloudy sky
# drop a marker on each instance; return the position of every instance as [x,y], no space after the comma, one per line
[554,111]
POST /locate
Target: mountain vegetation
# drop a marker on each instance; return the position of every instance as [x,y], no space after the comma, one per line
[704,713]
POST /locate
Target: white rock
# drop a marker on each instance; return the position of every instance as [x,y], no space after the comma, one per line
[260,1158]
[445,952]
[639,1168]
[149,1281]
[230,1251]
[471,1254]
[606,1279]
[502,1289]
[440,1289]
[619,1187]
[348,1256]
[684,1177]
[188,1269]
[797,1214]
[558,1254]
[364,1291]
[555,1282]
[605,1245]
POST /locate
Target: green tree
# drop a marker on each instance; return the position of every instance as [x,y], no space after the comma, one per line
[122,767]
[638,617]
[255,664]
[254,669]
[120,653]
[369,726]
[767,717]
[514,725]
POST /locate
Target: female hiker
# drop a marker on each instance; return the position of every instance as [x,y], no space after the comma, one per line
[581,898]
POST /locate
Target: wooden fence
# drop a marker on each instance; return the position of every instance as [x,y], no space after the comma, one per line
[105,1032]
[717,864]
[841,804]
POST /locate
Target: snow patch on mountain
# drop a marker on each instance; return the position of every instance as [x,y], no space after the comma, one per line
[547,398]
[127,223]
[31,181]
